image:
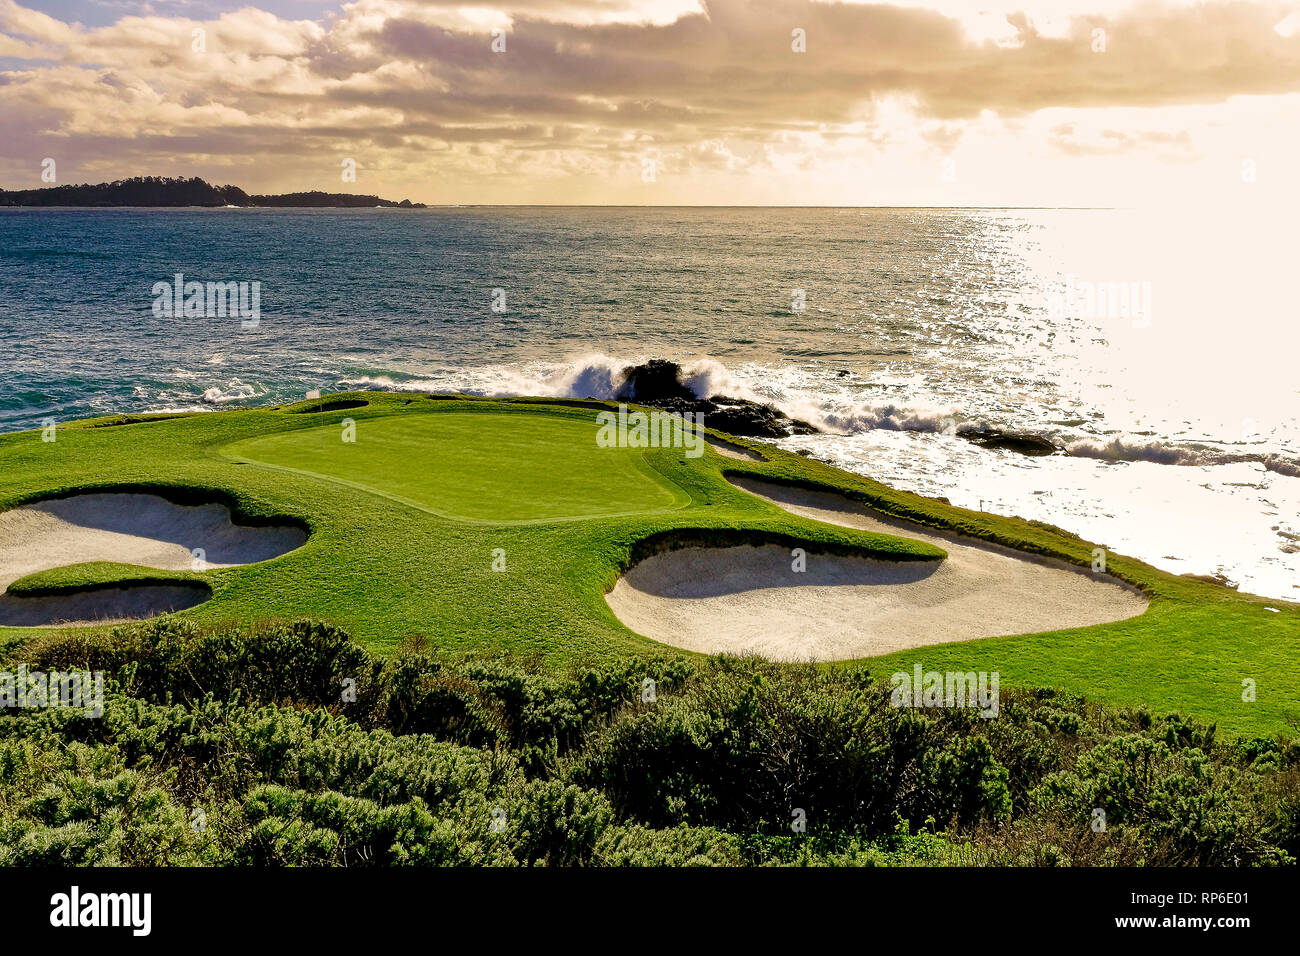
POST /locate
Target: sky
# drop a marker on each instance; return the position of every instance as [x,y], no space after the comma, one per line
[730,102]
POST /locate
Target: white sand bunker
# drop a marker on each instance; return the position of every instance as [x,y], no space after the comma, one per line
[130,602]
[749,600]
[730,449]
[139,529]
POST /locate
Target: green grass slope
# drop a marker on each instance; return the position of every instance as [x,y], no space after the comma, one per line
[476,467]
[409,521]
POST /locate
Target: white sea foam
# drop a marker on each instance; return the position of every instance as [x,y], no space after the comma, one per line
[1168,453]
[891,417]
[708,377]
[233,391]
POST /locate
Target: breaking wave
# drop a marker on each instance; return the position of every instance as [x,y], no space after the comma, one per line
[1165,453]
[233,391]
[599,376]
[594,375]
[892,417]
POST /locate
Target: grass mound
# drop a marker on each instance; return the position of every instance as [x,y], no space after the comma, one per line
[73,578]
[315,408]
[476,467]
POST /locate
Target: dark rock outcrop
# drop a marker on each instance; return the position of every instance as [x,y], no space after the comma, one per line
[658,384]
[1022,443]
[740,417]
[658,380]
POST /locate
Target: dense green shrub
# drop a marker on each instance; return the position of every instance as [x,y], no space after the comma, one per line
[287,744]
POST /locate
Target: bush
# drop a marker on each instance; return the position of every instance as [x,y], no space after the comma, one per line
[239,746]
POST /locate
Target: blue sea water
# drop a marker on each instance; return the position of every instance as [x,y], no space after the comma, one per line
[887,328]
[384,294]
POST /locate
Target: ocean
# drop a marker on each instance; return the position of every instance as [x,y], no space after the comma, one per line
[1160,352]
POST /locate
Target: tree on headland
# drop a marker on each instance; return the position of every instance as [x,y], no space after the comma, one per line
[174,191]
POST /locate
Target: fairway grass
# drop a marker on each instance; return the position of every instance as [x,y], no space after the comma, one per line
[496,525]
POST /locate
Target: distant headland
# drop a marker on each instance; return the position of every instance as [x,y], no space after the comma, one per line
[165,191]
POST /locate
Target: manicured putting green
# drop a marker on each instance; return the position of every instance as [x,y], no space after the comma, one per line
[476,466]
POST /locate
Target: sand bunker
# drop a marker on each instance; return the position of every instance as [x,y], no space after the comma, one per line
[132,602]
[139,529]
[749,600]
[730,449]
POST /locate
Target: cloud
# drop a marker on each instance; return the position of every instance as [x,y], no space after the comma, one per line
[713,86]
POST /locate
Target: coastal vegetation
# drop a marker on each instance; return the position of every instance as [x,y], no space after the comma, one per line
[163,191]
[290,744]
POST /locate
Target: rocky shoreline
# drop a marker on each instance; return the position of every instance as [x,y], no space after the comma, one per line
[658,384]
[1023,443]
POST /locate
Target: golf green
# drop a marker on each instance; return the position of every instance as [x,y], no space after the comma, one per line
[475,467]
